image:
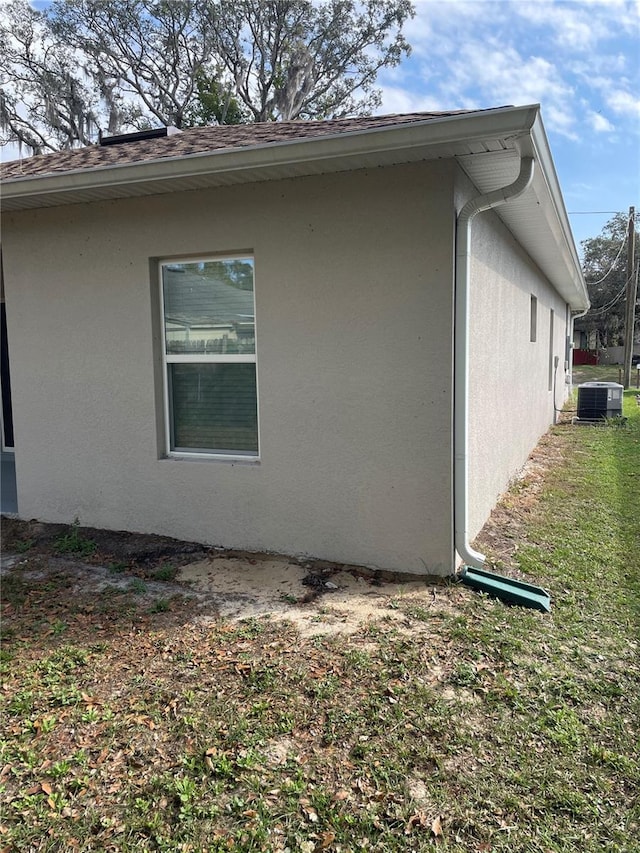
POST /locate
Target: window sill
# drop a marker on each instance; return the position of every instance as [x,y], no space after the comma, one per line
[210,457]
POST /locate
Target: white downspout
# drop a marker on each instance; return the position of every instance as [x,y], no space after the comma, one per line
[461,354]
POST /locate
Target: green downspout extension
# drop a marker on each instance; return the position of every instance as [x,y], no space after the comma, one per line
[507,589]
[472,574]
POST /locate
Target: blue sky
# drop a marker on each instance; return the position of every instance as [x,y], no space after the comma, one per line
[580,59]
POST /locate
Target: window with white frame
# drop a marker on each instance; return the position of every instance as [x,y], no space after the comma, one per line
[209,350]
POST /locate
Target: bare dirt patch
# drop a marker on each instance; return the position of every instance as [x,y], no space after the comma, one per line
[335,601]
[131,576]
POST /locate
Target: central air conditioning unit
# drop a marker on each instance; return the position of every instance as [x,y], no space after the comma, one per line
[598,400]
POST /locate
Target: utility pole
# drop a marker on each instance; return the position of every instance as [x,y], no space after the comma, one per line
[632,288]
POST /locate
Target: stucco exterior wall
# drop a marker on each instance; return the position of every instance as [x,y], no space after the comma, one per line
[512,379]
[353,290]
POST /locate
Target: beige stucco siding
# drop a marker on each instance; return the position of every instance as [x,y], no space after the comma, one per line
[353,291]
[511,404]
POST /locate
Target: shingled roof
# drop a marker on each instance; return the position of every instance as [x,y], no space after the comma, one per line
[201,140]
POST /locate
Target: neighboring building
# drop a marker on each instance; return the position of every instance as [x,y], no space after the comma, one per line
[244,335]
[585,340]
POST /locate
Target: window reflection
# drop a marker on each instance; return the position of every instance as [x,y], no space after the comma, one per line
[209,307]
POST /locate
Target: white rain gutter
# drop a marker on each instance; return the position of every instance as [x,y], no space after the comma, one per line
[461,353]
[272,158]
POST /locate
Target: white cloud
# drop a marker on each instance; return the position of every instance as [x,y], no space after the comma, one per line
[562,120]
[395,99]
[574,57]
[599,123]
[599,64]
[624,103]
[572,26]
[502,76]
[581,26]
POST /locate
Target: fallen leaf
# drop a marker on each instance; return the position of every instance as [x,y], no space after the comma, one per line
[417,819]
[436,826]
[102,756]
[326,839]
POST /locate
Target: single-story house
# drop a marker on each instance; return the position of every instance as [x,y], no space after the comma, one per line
[332,338]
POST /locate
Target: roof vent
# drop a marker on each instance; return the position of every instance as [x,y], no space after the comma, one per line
[138,136]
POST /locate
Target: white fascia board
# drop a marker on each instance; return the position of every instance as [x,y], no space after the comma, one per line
[556,214]
[400,139]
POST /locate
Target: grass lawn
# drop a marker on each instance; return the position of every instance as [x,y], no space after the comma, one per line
[468,727]
[602,373]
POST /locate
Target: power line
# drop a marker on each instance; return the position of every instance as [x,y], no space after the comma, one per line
[609,306]
[591,212]
[604,308]
[615,261]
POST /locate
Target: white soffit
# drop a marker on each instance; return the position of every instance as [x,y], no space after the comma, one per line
[533,219]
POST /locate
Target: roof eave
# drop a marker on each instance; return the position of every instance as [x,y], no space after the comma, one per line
[566,242]
[393,139]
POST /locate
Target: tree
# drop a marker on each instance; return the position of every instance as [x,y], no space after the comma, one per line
[45,104]
[605,271]
[236,273]
[117,65]
[297,59]
[214,104]
[147,53]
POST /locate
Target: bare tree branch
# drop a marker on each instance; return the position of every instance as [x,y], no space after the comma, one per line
[45,102]
[83,66]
